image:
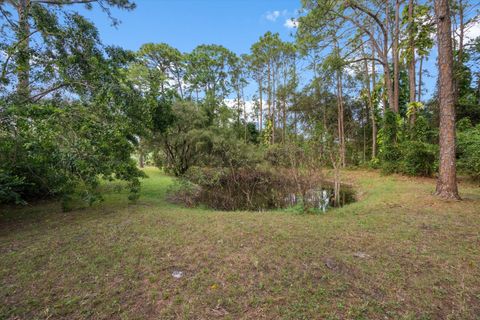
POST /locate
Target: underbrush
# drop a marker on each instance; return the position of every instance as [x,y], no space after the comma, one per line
[256,189]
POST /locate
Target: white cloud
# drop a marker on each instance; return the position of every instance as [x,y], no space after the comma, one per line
[473,31]
[291,23]
[272,15]
[249,107]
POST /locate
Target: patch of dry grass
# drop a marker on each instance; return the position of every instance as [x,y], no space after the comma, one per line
[399,253]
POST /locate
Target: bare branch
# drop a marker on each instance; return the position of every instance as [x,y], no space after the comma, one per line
[374,16]
[42,94]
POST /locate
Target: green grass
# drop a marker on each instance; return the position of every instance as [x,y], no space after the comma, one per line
[115,260]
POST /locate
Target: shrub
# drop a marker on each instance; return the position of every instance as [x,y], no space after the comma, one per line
[249,188]
[388,138]
[183,192]
[418,158]
[284,155]
[468,151]
[374,163]
[10,188]
[45,152]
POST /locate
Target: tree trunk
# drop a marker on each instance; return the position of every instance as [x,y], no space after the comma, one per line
[420,70]
[23,50]
[386,68]
[341,130]
[274,101]
[411,59]
[374,120]
[269,92]
[370,102]
[478,91]
[239,105]
[284,131]
[179,85]
[372,108]
[364,124]
[294,95]
[462,31]
[284,107]
[459,64]
[245,117]
[447,178]
[396,59]
[260,90]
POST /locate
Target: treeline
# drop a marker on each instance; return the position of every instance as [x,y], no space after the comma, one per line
[348,91]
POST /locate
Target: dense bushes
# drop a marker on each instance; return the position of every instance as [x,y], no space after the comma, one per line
[468,149]
[11,188]
[46,151]
[388,138]
[248,188]
[243,177]
[189,141]
[407,149]
[418,158]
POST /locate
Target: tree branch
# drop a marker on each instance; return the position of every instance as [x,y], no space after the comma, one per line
[4,68]
[63,2]
[375,17]
[5,15]
[42,94]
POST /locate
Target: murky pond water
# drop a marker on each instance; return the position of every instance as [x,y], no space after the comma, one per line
[321,198]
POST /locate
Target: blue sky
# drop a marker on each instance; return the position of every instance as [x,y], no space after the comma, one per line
[184,24]
[235,24]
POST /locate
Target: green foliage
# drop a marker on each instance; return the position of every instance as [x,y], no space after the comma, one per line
[176,142]
[224,149]
[406,150]
[208,68]
[388,137]
[183,192]
[468,150]
[55,152]
[267,133]
[11,188]
[251,188]
[413,108]
[285,155]
[374,163]
[420,31]
[253,135]
[418,158]
[68,115]
[464,124]
[422,131]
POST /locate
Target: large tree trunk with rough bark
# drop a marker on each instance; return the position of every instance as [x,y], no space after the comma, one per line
[447,178]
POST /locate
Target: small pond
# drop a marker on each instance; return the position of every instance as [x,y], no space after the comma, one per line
[257,198]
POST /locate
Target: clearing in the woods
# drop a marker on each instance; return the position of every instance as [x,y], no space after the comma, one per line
[398,253]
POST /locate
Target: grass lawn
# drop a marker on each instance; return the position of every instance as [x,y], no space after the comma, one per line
[399,253]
